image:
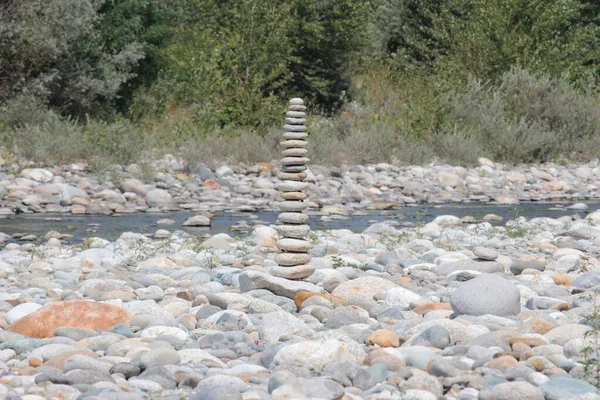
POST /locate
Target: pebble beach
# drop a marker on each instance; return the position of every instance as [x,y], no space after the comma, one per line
[170,184]
[449,309]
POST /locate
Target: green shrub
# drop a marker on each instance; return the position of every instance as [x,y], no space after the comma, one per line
[145,22]
[387,123]
[49,50]
[228,61]
[554,37]
[409,32]
[486,39]
[325,36]
[236,62]
[528,118]
[53,142]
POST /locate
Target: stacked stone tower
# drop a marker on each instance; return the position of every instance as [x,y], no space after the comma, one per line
[293,259]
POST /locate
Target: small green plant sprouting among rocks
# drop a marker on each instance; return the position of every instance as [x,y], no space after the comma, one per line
[420,222]
[313,237]
[337,262]
[392,241]
[591,350]
[582,265]
[194,243]
[516,228]
[36,253]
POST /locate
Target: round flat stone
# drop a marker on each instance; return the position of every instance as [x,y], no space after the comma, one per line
[290,169]
[292,186]
[485,253]
[295,272]
[486,294]
[294,161]
[295,135]
[297,108]
[294,143]
[296,101]
[292,259]
[293,231]
[287,206]
[292,218]
[294,152]
[293,245]
[295,176]
[294,196]
[295,128]
[295,121]
[295,114]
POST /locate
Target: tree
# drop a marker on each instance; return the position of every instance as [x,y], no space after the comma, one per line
[51,53]
[145,22]
[326,35]
[411,32]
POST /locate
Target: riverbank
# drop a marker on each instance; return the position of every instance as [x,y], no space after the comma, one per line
[170,184]
[444,309]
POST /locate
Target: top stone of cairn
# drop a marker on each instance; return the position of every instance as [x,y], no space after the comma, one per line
[296,102]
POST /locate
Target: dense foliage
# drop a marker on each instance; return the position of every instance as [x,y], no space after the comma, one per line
[386,74]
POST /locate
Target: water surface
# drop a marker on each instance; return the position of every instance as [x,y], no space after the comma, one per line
[111,227]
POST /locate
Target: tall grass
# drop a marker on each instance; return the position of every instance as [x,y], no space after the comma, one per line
[411,120]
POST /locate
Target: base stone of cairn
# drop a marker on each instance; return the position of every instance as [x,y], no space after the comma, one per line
[293,259]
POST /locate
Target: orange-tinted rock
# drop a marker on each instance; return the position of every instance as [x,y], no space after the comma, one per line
[35,362]
[118,208]
[395,381]
[538,325]
[14,302]
[75,313]
[265,166]
[502,363]
[190,319]
[534,258]
[547,248]
[563,307]
[23,371]
[303,295]
[84,185]
[80,201]
[423,308]
[209,183]
[77,209]
[531,271]
[530,341]
[383,338]
[554,371]
[185,295]
[56,395]
[554,187]
[517,178]
[393,362]
[537,364]
[59,360]
[562,279]
[453,392]
[523,350]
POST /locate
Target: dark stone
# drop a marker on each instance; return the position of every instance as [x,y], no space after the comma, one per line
[160,375]
[206,311]
[127,369]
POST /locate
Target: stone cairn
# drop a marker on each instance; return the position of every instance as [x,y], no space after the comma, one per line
[293,259]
